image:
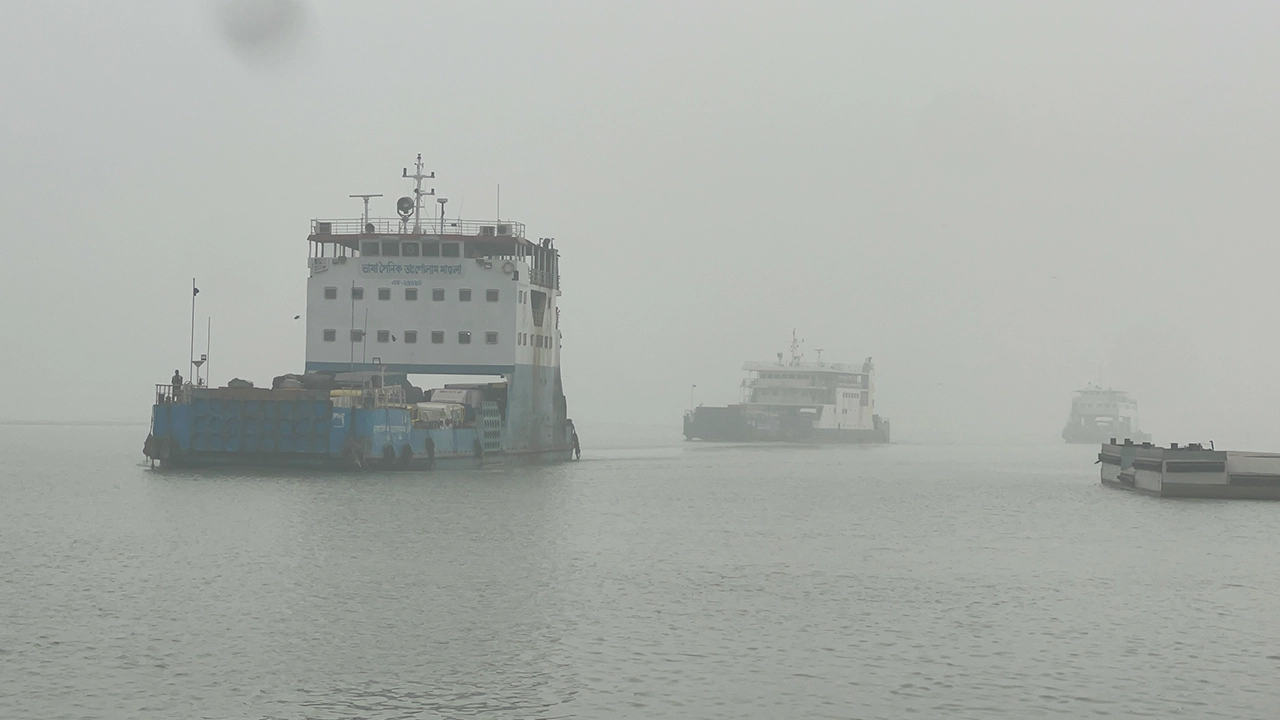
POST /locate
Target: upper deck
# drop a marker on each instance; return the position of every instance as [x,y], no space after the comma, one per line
[401,239]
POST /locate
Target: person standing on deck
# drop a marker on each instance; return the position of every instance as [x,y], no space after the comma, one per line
[177,384]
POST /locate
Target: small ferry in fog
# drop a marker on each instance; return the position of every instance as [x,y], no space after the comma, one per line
[1098,414]
[796,401]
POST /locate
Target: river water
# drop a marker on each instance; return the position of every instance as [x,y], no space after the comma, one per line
[652,579]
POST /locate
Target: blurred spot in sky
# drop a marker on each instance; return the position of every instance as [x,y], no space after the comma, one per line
[261,31]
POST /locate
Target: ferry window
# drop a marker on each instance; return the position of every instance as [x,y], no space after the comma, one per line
[430,249]
[369,248]
[491,295]
[411,293]
[357,293]
[410,337]
[449,250]
[384,336]
[437,294]
[391,248]
[464,337]
[491,338]
[409,249]
[357,336]
[437,337]
[331,293]
[330,335]
[464,295]
[384,293]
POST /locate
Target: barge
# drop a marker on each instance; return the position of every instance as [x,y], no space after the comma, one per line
[1189,471]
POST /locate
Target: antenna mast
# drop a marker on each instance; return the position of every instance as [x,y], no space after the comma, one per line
[418,192]
[795,348]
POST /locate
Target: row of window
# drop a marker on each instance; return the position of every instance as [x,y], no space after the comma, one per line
[411,337]
[411,294]
[397,248]
[437,337]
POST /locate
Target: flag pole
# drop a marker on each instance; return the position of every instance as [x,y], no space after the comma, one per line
[191,354]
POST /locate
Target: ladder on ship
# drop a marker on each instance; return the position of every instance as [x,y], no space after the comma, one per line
[490,427]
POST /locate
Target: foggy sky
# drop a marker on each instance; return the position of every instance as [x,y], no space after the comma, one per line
[997,201]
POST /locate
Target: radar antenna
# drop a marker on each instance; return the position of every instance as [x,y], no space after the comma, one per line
[418,192]
[364,219]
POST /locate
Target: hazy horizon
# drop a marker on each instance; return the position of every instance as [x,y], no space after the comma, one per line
[998,202]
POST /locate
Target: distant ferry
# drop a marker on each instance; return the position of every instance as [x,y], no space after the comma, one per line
[388,298]
[1098,415]
[796,401]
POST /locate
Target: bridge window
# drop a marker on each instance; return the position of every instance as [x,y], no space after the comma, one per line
[464,295]
[409,249]
[384,336]
[331,293]
[449,250]
[330,335]
[410,337]
[391,248]
[437,294]
[430,249]
[437,337]
[464,337]
[491,295]
[384,293]
[369,248]
[491,338]
[411,293]
[357,336]
[357,293]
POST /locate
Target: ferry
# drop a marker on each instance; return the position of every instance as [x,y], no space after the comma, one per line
[796,401]
[1098,414]
[389,299]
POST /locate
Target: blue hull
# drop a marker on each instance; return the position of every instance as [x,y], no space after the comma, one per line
[304,428]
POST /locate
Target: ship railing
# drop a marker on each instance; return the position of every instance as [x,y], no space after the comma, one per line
[495,229]
[168,394]
[544,278]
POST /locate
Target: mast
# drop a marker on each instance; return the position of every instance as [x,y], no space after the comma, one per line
[796,355]
[418,192]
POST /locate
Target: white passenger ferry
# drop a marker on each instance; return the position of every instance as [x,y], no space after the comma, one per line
[389,298]
[1099,414]
[798,401]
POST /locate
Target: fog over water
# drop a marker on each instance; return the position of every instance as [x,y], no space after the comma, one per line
[999,202]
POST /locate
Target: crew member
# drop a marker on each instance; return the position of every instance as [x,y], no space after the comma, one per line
[177,383]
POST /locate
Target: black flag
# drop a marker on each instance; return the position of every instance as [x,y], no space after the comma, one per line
[194,291]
